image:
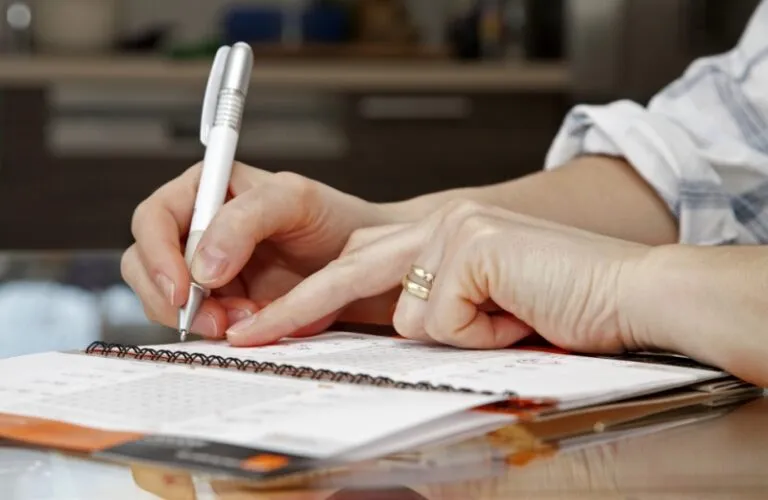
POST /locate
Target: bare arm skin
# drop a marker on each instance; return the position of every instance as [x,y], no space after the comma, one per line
[599,194]
[710,303]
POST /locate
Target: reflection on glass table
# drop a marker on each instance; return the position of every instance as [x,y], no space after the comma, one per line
[718,458]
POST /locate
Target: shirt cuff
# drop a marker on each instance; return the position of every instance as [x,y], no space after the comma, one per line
[663,154]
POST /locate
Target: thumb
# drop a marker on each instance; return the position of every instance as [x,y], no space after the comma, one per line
[227,245]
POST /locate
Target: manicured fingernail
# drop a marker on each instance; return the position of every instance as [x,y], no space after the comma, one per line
[241,327]
[236,315]
[166,286]
[205,325]
[208,264]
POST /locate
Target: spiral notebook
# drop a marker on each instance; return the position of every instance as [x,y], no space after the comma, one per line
[543,376]
[303,404]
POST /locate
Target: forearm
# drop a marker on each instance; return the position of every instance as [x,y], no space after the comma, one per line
[598,194]
[710,303]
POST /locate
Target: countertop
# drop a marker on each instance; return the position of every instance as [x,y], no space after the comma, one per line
[31,71]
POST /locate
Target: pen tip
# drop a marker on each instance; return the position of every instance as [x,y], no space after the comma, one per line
[183,335]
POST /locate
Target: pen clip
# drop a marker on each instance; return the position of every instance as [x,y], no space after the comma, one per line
[211,98]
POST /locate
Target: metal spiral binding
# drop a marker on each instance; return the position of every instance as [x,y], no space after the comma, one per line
[144,353]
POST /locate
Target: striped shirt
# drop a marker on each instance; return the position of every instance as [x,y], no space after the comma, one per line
[701,142]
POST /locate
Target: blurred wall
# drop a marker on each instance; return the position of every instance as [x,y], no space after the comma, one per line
[633,48]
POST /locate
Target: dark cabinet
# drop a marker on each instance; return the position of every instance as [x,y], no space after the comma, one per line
[409,145]
[400,145]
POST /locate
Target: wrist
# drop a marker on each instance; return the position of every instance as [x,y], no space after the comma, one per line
[643,289]
[694,301]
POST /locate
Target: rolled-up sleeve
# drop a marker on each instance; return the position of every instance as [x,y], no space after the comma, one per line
[701,143]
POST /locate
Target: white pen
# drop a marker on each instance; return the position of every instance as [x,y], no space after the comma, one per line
[222,116]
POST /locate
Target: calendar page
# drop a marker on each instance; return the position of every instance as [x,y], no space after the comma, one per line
[299,417]
[568,379]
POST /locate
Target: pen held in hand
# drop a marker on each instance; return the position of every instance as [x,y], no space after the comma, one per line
[222,117]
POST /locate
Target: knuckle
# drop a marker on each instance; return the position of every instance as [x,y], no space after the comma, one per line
[357,239]
[348,276]
[459,210]
[193,171]
[140,215]
[145,210]
[343,265]
[462,208]
[239,214]
[125,264]
[354,241]
[477,227]
[237,218]
[245,177]
[433,326]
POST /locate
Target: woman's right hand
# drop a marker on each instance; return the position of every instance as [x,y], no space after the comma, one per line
[274,230]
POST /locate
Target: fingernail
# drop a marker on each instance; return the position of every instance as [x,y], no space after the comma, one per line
[205,325]
[241,327]
[236,315]
[166,286]
[208,265]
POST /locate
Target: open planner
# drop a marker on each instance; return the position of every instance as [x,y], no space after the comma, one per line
[306,404]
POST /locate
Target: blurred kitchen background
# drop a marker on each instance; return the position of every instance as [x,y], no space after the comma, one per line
[386,99]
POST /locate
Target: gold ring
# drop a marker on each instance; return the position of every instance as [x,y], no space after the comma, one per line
[422,274]
[415,289]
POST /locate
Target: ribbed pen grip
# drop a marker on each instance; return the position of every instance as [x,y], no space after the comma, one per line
[229,111]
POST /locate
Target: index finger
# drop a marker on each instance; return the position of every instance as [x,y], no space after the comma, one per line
[158,224]
[366,272]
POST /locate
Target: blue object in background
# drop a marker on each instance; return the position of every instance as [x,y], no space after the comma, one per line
[325,23]
[321,22]
[253,25]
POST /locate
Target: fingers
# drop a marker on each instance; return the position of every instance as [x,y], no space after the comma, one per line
[154,266]
[157,226]
[238,308]
[160,222]
[408,318]
[453,315]
[457,310]
[244,177]
[368,235]
[369,271]
[211,320]
[277,206]
[378,310]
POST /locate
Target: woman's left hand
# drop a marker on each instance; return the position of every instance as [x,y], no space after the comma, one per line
[494,277]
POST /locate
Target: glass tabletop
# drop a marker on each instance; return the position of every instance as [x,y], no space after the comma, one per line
[726,457]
